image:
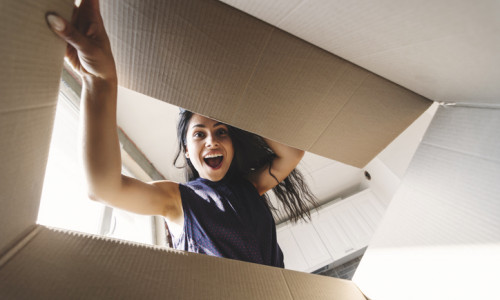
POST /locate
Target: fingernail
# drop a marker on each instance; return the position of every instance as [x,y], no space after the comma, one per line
[56,22]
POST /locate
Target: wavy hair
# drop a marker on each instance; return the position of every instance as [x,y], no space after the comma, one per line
[251,153]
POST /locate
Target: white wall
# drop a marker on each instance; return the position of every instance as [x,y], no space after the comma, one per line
[440,238]
[389,167]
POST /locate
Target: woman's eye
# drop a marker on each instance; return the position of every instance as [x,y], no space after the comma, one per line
[222,131]
[199,134]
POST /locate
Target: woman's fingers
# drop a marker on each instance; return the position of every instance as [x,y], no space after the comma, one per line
[90,8]
[67,32]
[88,48]
[72,58]
[92,31]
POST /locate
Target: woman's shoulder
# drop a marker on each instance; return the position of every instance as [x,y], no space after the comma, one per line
[170,188]
[165,184]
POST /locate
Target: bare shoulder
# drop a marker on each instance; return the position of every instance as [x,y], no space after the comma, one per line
[172,195]
[171,188]
[152,198]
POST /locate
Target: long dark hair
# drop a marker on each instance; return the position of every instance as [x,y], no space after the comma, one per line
[251,153]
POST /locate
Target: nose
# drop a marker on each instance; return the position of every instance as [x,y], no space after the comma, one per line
[212,141]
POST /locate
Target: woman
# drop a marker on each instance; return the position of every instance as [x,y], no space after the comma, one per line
[220,211]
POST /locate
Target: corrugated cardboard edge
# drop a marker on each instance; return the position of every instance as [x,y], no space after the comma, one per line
[62,263]
[311,286]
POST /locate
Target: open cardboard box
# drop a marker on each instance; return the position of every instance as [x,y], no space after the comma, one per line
[212,59]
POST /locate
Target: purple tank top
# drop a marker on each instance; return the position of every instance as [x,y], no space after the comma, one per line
[228,218]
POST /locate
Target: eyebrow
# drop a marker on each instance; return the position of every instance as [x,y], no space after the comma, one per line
[203,126]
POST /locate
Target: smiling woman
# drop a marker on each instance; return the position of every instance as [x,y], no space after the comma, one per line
[225,208]
[208,147]
[252,158]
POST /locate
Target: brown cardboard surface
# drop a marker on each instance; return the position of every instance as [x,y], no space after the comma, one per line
[308,286]
[445,50]
[60,264]
[373,102]
[30,69]
[215,60]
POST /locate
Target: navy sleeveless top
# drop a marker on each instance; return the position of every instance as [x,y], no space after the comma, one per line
[229,219]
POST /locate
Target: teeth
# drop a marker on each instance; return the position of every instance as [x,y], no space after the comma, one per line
[213,155]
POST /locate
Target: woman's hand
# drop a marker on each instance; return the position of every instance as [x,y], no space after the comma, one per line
[287,158]
[88,50]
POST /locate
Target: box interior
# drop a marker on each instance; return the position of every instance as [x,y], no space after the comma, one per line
[254,76]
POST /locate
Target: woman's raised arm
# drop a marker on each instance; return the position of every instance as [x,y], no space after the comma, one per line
[287,158]
[89,52]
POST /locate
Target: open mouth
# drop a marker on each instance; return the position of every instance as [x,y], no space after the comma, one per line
[214,161]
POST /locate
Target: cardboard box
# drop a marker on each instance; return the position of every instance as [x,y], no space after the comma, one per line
[451,185]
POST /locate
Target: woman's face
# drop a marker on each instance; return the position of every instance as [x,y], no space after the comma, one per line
[209,147]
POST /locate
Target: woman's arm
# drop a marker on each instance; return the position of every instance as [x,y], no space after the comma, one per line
[102,161]
[89,52]
[287,158]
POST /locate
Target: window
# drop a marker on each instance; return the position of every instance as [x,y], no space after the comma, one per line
[64,201]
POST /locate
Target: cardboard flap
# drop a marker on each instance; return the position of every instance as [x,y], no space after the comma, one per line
[309,286]
[30,68]
[212,59]
[63,264]
[445,50]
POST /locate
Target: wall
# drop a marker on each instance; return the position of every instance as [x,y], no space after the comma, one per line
[445,216]
[389,167]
